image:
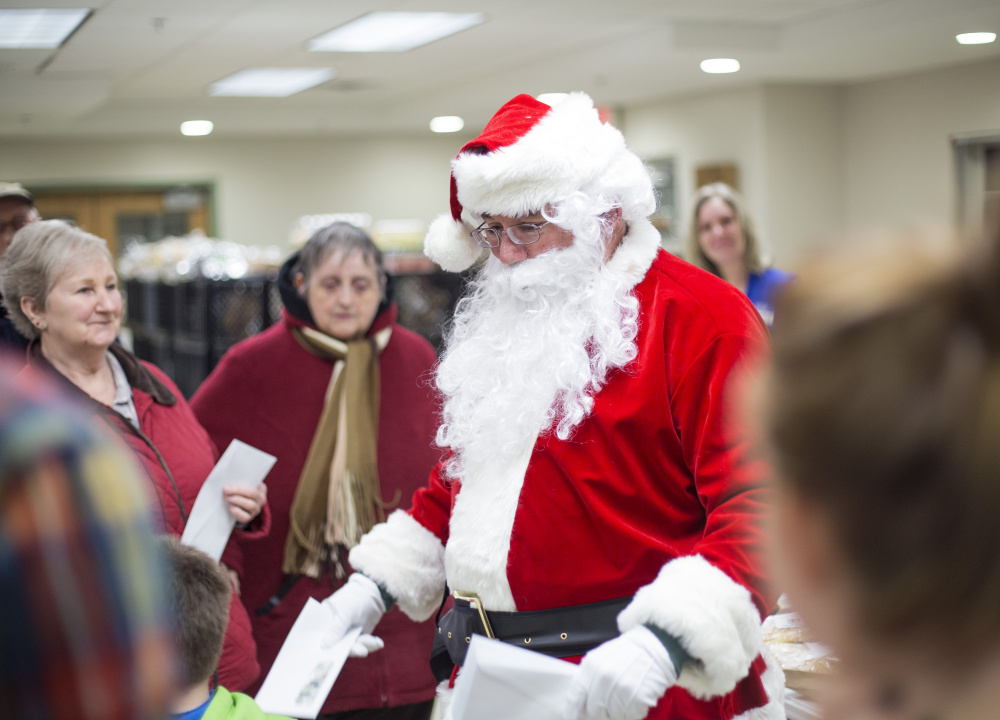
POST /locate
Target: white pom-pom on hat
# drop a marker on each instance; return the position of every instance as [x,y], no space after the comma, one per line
[449,244]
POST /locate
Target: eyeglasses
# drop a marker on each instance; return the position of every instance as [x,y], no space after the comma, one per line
[522,234]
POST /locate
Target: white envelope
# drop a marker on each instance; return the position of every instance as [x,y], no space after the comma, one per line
[500,681]
[304,671]
[210,522]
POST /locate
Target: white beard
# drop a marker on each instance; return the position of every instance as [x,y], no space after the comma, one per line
[528,348]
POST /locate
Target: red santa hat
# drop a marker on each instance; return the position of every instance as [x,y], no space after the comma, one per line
[529,154]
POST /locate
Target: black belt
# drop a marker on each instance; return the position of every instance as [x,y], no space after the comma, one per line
[559,632]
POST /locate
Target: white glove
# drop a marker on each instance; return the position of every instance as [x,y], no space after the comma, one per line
[621,679]
[357,604]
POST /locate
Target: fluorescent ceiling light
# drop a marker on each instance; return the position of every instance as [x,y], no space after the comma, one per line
[720,65]
[447,123]
[393,31]
[977,38]
[38,28]
[552,99]
[197,127]
[270,82]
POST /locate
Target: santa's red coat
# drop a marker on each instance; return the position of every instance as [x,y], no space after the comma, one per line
[654,489]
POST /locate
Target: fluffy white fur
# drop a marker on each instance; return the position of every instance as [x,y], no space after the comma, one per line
[449,244]
[711,615]
[531,343]
[529,347]
[407,560]
[568,151]
[562,153]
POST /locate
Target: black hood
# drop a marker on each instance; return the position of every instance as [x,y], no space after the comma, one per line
[296,305]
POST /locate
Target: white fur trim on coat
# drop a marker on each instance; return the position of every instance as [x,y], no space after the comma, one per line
[635,255]
[407,560]
[712,617]
[449,244]
[561,154]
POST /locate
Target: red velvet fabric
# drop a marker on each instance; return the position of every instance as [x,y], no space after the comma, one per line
[659,470]
[268,391]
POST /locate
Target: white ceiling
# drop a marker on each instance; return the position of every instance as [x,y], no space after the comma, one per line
[141,67]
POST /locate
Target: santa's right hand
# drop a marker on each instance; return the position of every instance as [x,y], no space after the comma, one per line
[357,604]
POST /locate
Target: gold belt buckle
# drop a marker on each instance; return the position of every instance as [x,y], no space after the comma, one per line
[471,597]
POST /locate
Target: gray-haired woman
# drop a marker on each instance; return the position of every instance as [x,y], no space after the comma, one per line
[60,289]
[338,392]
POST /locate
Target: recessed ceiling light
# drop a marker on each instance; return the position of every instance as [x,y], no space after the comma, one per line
[976,38]
[393,31]
[552,99]
[447,123]
[197,127]
[270,82]
[39,28]
[720,65]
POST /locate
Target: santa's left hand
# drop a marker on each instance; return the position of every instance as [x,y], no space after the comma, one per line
[244,503]
[621,679]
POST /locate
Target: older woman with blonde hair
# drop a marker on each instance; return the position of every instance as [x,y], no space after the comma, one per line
[60,289]
[722,239]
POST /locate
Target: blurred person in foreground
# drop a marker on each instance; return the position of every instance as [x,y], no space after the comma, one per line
[60,289]
[84,630]
[882,411]
[722,240]
[340,394]
[198,592]
[17,209]
[598,500]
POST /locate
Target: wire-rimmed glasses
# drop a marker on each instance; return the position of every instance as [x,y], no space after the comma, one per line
[520,234]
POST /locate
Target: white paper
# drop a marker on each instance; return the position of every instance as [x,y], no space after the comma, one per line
[500,681]
[210,522]
[304,670]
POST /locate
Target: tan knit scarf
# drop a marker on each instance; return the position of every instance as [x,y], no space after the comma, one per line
[338,498]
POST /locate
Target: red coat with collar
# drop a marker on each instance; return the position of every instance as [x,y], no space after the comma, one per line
[654,491]
[170,426]
[269,392]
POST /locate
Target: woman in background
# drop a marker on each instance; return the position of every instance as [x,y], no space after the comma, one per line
[60,289]
[722,240]
[882,410]
[340,394]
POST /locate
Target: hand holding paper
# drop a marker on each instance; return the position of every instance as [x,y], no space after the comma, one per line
[244,503]
[210,522]
[357,604]
[621,678]
[303,673]
[499,681]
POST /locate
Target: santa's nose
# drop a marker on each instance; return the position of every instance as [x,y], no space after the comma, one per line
[510,252]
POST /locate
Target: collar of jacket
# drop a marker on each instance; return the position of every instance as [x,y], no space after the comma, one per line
[139,376]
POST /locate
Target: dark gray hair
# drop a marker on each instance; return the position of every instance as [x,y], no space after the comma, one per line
[751,253]
[39,254]
[338,237]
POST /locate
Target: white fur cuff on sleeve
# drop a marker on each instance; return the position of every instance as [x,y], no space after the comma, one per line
[407,560]
[712,617]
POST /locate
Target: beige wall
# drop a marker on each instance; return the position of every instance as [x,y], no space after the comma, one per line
[262,185]
[706,129]
[898,153]
[814,160]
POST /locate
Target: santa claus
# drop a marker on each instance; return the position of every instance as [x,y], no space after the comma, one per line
[594,475]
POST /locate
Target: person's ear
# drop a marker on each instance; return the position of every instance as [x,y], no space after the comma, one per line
[299,282]
[31,310]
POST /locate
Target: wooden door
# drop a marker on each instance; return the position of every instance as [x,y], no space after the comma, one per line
[119,216]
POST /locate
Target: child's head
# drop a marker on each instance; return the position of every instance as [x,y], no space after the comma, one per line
[199,595]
